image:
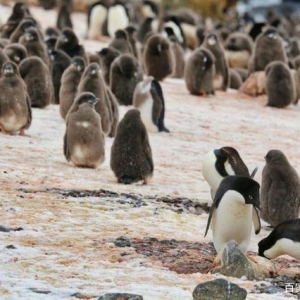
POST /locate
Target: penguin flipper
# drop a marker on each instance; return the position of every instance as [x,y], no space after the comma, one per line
[211,211]
[157,107]
[28,103]
[147,150]
[256,220]
[254,172]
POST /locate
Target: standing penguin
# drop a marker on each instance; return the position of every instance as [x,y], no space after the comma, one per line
[34,45]
[268,47]
[233,211]
[131,155]
[220,163]
[157,57]
[132,32]
[121,42]
[125,74]
[117,18]
[283,240]
[38,80]
[199,72]
[280,189]
[92,81]
[69,84]
[97,15]
[15,110]
[107,56]
[15,52]
[64,14]
[59,62]
[22,28]
[280,85]
[221,78]
[148,99]
[84,140]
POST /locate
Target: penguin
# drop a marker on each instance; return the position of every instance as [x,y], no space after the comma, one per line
[69,84]
[3,58]
[117,18]
[238,49]
[235,79]
[38,80]
[15,52]
[47,4]
[172,24]
[50,43]
[131,154]
[149,25]
[51,36]
[220,163]
[157,57]
[221,78]
[199,72]
[34,45]
[149,9]
[92,81]
[280,85]
[97,15]
[114,111]
[22,28]
[64,14]
[121,42]
[268,47]
[15,110]
[283,240]
[131,32]
[107,56]
[68,42]
[233,210]
[84,141]
[59,62]
[280,189]
[125,74]
[293,48]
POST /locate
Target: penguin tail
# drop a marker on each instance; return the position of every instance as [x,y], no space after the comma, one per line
[254,172]
[126,180]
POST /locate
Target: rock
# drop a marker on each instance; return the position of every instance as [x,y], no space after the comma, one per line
[120,296]
[11,247]
[219,289]
[272,289]
[122,241]
[38,291]
[231,261]
[82,296]
[255,84]
[4,229]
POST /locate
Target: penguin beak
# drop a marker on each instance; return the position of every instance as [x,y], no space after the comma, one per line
[94,101]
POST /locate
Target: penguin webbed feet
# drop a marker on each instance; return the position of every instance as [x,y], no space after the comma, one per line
[125,180]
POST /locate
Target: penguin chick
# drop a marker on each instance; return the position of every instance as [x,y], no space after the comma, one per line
[220,163]
[117,18]
[69,84]
[34,45]
[68,42]
[131,155]
[157,57]
[22,28]
[179,61]
[280,189]
[97,15]
[268,47]
[38,80]
[52,32]
[84,140]
[114,111]
[233,210]
[149,100]
[280,85]
[235,81]
[221,78]
[15,52]
[107,56]
[64,14]
[238,49]
[283,240]
[59,62]
[15,110]
[125,74]
[121,42]
[92,81]
[199,72]
[132,33]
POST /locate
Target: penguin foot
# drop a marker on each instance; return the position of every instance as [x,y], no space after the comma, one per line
[3,130]
[145,181]
[22,133]
[126,180]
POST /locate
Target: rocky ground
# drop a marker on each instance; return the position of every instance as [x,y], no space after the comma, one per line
[75,233]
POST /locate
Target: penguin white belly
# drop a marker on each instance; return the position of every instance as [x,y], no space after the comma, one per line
[232,220]
[146,114]
[97,18]
[284,246]
[117,19]
[13,122]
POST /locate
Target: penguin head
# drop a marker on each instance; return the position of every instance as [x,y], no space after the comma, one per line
[92,69]
[127,65]
[9,69]
[275,156]
[69,38]
[51,32]
[87,97]
[31,35]
[271,33]
[131,31]
[79,63]
[157,44]
[131,117]
[121,34]
[27,24]
[20,10]
[16,52]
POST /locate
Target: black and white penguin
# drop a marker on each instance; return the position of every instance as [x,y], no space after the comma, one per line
[233,210]
[149,100]
[284,239]
[220,163]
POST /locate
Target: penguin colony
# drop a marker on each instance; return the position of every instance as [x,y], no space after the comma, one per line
[42,67]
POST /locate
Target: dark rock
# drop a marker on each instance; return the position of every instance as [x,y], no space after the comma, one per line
[122,241]
[11,247]
[219,289]
[82,296]
[38,291]
[120,296]
[272,289]
[5,229]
